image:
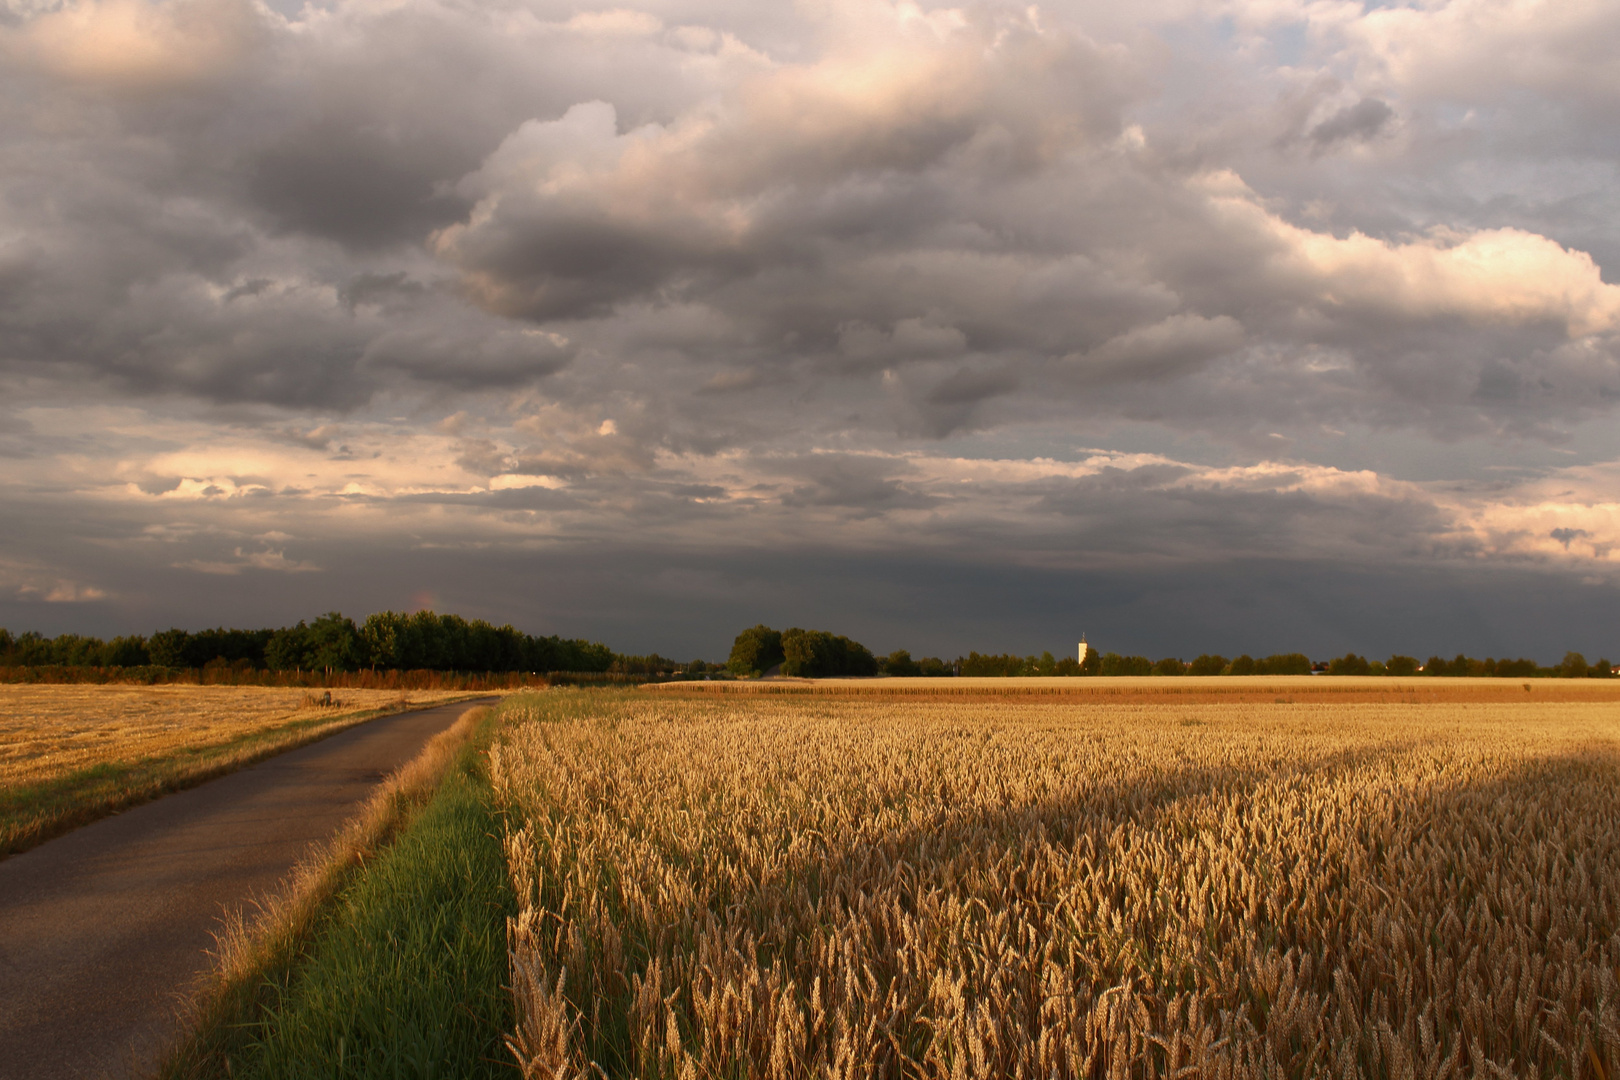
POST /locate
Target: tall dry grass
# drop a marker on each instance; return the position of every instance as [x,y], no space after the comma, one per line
[260,943]
[777,887]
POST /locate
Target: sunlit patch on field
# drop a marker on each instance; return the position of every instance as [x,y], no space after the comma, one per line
[779,887]
[70,753]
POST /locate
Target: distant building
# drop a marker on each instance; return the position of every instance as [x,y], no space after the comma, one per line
[1084,648]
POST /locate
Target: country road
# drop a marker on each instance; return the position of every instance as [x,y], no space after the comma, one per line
[103,929]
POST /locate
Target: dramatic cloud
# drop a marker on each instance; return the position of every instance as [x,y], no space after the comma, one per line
[315,293]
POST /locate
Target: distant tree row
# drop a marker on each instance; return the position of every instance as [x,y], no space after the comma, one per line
[1573,666]
[1008,665]
[760,649]
[387,640]
[900,663]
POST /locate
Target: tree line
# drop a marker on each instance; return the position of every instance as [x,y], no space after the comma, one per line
[817,653]
[1572,666]
[387,640]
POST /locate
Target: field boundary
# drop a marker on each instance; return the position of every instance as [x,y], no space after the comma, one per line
[263,938]
[252,749]
[1187,689]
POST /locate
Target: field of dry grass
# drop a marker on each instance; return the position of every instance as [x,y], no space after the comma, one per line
[70,753]
[775,885]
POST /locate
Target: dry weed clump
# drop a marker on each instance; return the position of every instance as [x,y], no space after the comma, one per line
[818,888]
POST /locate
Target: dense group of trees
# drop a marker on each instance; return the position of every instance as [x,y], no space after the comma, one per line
[813,654]
[816,654]
[387,640]
[32,649]
[900,663]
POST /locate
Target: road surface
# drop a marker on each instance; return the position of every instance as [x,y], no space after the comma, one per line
[104,929]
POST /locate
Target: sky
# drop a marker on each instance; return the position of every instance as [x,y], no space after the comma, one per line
[1189,325]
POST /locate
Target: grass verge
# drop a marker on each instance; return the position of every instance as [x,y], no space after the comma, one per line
[30,814]
[377,961]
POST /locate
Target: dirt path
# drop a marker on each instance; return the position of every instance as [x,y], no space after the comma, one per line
[101,930]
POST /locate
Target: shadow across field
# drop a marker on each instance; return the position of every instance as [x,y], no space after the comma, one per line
[1388,907]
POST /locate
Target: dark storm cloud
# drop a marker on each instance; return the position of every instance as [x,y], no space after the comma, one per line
[353,185]
[533,276]
[692,602]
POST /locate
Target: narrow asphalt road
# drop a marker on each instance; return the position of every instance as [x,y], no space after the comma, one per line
[102,930]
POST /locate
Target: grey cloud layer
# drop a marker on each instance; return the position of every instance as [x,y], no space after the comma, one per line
[962,191]
[728,273]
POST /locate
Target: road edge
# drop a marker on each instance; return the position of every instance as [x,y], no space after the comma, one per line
[264,935]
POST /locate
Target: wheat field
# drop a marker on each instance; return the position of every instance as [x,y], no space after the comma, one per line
[716,886]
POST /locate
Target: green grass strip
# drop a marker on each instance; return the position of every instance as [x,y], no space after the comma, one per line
[405,976]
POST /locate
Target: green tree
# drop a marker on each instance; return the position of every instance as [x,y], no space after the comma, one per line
[1401,665]
[755,651]
[1283,664]
[1574,666]
[990,665]
[900,663]
[382,640]
[127,651]
[288,649]
[1242,665]
[1170,665]
[1206,664]
[334,644]
[167,648]
[1349,664]
[1115,664]
[817,654]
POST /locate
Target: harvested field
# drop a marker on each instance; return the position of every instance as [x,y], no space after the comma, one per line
[70,753]
[779,885]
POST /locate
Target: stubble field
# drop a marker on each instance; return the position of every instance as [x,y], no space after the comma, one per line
[858,884]
[71,753]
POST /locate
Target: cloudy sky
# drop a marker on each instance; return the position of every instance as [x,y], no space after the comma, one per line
[1194,325]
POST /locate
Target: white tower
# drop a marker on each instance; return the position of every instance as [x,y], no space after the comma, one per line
[1084,648]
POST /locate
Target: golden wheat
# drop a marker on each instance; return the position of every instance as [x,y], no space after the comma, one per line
[777,887]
